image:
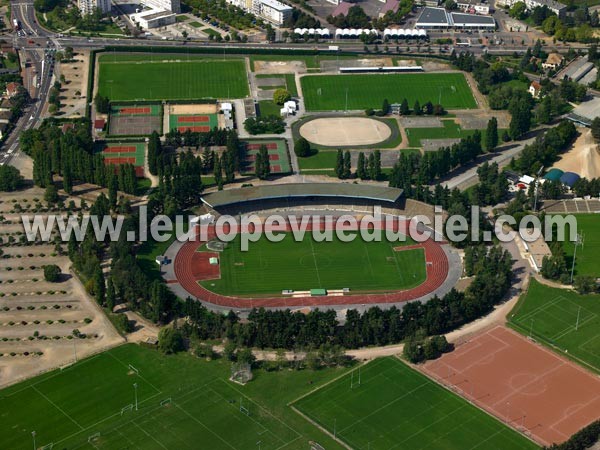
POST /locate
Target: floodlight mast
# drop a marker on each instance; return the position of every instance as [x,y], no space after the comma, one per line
[539,172]
[135,393]
[33,437]
[578,241]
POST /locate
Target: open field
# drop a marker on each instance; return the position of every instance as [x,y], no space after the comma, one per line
[550,316]
[168,78]
[524,384]
[270,267]
[182,401]
[397,407]
[587,261]
[289,79]
[345,131]
[328,92]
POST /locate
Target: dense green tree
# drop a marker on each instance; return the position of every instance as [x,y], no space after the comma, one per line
[10,178]
[170,340]
[491,135]
[302,148]
[51,273]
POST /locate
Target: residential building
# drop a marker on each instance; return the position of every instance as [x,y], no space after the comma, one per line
[272,11]
[553,62]
[557,8]
[88,6]
[99,125]
[535,89]
[154,18]
[12,89]
[473,6]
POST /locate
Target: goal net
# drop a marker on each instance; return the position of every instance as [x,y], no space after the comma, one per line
[216,246]
[127,408]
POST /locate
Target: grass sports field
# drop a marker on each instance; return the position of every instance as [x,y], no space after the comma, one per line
[397,407]
[550,316]
[170,78]
[80,406]
[328,92]
[587,261]
[270,267]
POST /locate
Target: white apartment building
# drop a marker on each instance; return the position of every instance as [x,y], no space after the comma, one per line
[270,10]
[557,8]
[88,6]
[163,5]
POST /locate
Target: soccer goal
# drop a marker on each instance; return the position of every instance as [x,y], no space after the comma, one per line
[244,407]
[127,408]
[166,402]
[133,369]
[47,446]
[216,246]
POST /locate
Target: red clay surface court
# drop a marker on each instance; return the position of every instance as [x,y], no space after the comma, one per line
[192,266]
[198,129]
[187,119]
[142,110]
[528,386]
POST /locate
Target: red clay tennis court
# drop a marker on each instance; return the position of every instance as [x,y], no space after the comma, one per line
[528,386]
[119,160]
[188,119]
[140,110]
[121,149]
[198,129]
[270,146]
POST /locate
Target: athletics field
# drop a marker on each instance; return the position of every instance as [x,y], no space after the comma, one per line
[267,267]
[156,78]
[359,92]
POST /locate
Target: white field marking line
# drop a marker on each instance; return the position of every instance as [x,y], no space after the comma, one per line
[146,413]
[126,438]
[154,419]
[429,443]
[264,429]
[138,375]
[571,328]
[57,407]
[583,344]
[368,257]
[487,356]
[288,443]
[202,424]
[429,426]
[518,390]
[384,406]
[262,408]
[149,435]
[328,384]
[579,406]
[534,311]
[58,372]
[315,260]
[577,306]
[502,429]
[446,398]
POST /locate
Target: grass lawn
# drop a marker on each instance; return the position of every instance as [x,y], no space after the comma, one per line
[450,130]
[268,108]
[270,267]
[396,407]
[167,79]
[196,24]
[290,81]
[587,261]
[209,31]
[66,407]
[328,92]
[183,18]
[321,160]
[550,316]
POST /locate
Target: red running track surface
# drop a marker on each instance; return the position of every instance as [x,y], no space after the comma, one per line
[188,272]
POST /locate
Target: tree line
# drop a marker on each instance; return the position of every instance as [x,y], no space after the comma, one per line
[375,326]
[71,156]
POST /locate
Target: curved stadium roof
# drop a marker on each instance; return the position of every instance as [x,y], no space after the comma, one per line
[297,190]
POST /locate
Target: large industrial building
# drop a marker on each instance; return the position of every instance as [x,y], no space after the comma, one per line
[440,19]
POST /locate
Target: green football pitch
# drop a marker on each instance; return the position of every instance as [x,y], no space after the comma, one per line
[587,261]
[183,403]
[359,92]
[563,320]
[270,267]
[168,79]
[397,407]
